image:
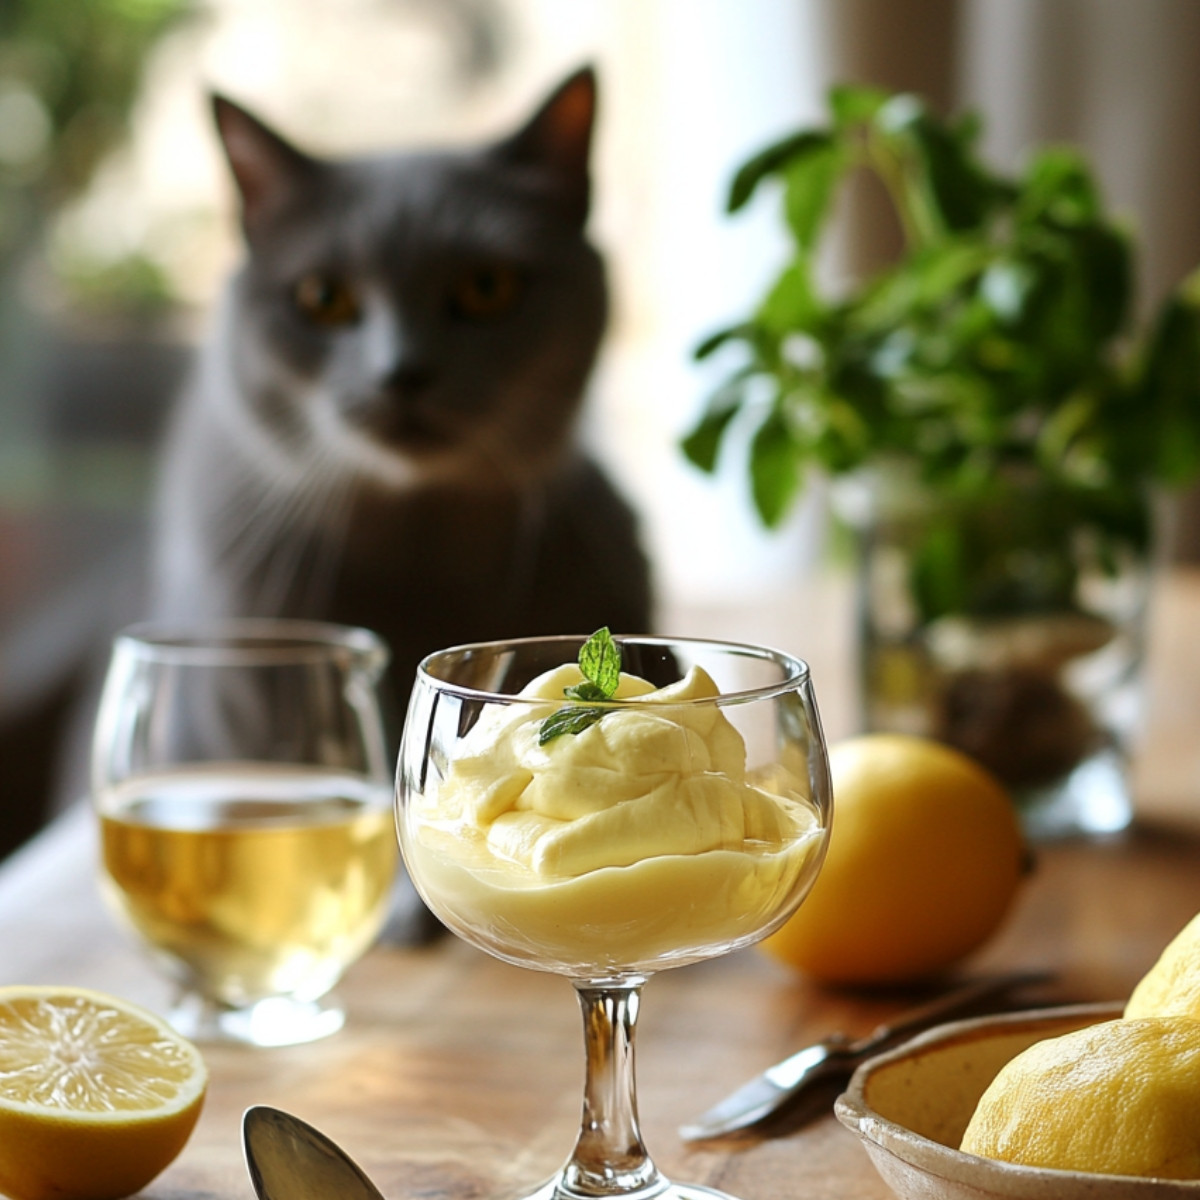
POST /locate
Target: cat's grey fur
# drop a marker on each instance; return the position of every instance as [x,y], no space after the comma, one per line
[412,465]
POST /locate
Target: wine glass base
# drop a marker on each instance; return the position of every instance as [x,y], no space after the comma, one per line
[660,1189]
[276,1021]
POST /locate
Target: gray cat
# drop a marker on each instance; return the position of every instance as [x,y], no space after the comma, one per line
[380,429]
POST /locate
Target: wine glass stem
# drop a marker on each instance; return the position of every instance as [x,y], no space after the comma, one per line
[609,1158]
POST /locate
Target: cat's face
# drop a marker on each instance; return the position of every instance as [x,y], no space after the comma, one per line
[419,317]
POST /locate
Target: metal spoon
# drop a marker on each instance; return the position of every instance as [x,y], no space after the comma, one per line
[290,1160]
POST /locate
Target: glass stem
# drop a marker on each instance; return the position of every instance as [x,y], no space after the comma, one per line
[609,1158]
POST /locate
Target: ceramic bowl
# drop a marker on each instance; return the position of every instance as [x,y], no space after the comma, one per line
[911,1105]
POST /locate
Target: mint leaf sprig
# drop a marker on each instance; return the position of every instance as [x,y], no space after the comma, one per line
[600,662]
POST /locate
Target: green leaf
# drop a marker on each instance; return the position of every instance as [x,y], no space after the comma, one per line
[1106,270]
[843,439]
[600,662]
[743,331]
[938,571]
[702,445]
[1058,185]
[774,469]
[568,720]
[792,306]
[949,269]
[1066,425]
[809,182]
[926,288]
[852,104]
[771,161]
[958,190]
[1169,411]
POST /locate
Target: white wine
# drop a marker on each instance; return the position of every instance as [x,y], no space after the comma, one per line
[251,881]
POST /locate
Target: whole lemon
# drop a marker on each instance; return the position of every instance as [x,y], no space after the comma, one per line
[925,856]
[1172,986]
[1118,1098]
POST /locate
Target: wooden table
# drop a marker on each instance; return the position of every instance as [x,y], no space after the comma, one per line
[459,1076]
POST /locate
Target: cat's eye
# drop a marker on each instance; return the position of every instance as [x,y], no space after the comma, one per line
[325,300]
[486,291]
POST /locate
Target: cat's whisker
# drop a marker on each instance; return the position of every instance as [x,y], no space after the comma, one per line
[249,518]
[329,511]
[311,524]
[257,527]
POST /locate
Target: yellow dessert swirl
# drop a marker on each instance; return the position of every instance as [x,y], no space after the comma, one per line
[636,843]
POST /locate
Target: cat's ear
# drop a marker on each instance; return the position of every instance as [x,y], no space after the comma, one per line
[557,140]
[266,168]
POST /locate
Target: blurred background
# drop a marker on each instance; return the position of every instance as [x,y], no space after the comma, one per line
[117,226]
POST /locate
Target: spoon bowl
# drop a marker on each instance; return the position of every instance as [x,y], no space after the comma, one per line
[290,1160]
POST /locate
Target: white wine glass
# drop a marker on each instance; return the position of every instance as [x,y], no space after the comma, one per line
[242,780]
[607,839]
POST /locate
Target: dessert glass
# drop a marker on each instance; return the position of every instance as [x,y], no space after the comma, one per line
[691,823]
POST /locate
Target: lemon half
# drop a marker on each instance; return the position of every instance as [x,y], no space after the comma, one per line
[97,1096]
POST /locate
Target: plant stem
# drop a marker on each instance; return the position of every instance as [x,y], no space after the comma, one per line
[609,1158]
[914,220]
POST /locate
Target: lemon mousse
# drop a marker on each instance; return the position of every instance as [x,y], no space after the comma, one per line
[639,841]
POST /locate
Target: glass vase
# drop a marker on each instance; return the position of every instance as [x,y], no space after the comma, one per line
[1009,622]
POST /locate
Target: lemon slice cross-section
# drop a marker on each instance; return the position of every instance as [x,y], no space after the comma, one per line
[97,1095]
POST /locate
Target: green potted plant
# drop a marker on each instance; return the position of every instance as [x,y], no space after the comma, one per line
[997,434]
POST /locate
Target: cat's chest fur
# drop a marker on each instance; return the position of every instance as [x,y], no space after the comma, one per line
[380,431]
[425,569]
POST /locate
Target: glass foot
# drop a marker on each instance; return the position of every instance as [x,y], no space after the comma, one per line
[661,1189]
[277,1021]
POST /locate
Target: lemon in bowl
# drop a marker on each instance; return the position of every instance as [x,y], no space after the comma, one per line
[911,1106]
[1172,985]
[97,1095]
[1086,1102]
[1120,1097]
[925,858]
